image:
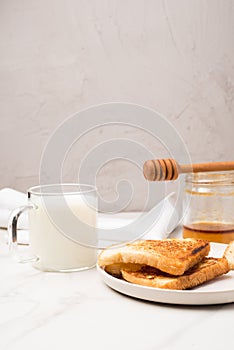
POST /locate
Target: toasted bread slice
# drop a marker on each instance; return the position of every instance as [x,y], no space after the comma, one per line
[229,255]
[171,255]
[204,271]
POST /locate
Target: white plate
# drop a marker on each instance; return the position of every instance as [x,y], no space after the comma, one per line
[218,291]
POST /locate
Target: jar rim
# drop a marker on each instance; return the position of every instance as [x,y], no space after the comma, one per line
[211,178]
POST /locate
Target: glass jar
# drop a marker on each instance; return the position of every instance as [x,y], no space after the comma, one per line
[209,206]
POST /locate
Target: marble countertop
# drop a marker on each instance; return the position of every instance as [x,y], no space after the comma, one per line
[40,310]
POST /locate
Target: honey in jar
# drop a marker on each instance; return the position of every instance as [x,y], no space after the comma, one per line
[210,231]
[209,206]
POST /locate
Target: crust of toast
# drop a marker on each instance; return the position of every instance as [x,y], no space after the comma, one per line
[172,255]
[229,255]
[204,271]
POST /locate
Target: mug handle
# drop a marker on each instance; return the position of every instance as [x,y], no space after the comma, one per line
[12,233]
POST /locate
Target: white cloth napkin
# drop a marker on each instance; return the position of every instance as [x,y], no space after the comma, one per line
[158,223]
[168,218]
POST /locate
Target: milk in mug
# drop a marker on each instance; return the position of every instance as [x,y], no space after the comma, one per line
[63,233]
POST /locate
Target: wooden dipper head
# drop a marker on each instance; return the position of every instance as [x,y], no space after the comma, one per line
[161,170]
[169,169]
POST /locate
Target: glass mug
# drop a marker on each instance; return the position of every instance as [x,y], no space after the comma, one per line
[62,227]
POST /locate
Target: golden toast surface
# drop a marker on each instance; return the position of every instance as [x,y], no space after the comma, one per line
[173,255]
[204,271]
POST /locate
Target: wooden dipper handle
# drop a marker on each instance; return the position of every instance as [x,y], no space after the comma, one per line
[169,169]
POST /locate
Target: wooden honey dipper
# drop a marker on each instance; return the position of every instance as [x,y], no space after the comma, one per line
[169,169]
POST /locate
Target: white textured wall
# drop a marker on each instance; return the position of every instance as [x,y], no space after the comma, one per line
[57,57]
